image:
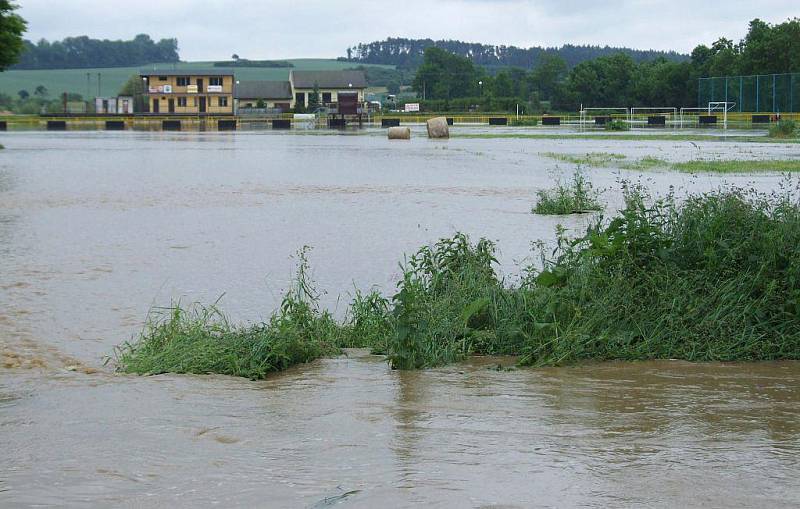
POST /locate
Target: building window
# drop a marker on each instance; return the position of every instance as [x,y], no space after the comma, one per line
[182,102]
[215,81]
[182,81]
[300,98]
[223,100]
[195,101]
[162,78]
[326,97]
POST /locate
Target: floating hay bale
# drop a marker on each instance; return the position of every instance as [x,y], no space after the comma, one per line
[399,133]
[437,128]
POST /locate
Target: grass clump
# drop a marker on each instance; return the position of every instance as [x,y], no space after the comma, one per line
[714,279]
[646,163]
[201,340]
[597,159]
[525,122]
[783,129]
[617,125]
[737,166]
[577,197]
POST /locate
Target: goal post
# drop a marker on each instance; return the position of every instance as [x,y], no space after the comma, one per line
[584,112]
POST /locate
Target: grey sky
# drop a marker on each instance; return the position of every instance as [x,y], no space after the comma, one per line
[315,28]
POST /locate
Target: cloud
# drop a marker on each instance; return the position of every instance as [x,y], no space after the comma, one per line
[314,28]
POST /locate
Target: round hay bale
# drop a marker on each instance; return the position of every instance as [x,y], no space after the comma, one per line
[399,133]
[437,128]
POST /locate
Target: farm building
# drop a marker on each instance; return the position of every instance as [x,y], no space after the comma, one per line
[338,89]
[275,95]
[195,92]
[114,105]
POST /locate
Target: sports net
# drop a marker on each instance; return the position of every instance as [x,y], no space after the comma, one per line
[775,93]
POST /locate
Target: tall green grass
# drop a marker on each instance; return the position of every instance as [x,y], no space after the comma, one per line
[713,278]
[783,129]
[201,340]
[576,197]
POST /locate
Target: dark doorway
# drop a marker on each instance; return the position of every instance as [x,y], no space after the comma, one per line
[155,106]
[202,104]
[199,85]
[171,105]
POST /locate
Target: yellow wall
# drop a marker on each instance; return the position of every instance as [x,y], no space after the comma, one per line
[192,99]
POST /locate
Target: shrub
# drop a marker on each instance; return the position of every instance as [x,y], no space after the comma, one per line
[617,125]
[577,197]
[783,129]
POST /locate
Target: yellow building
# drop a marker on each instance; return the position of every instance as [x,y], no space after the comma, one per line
[189,92]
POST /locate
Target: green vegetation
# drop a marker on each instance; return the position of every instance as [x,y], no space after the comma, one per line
[605,159]
[201,340]
[617,125]
[576,197]
[525,122]
[737,166]
[783,129]
[243,62]
[12,26]
[716,278]
[645,163]
[599,159]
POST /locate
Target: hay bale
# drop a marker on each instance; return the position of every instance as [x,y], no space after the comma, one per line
[399,133]
[437,128]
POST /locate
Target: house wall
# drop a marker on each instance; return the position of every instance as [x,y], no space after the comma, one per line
[154,82]
[270,103]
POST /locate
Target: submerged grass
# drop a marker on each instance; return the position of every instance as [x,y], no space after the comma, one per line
[599,159]
[783,129]
[604,159]
[722,137]
[714,278]
[576,197]
[738,166]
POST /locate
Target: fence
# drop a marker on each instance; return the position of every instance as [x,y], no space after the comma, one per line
[768,93]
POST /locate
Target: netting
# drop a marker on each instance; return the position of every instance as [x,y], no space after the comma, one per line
[775,93]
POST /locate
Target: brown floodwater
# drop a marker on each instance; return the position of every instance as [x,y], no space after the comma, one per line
[96,228]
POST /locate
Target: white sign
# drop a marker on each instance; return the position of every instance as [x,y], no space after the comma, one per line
[412,107]
[153,90]
[167,89]
[191,89]
[215,88]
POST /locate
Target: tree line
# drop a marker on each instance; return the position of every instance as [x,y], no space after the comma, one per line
[409,53]
[447,81]
[84,52]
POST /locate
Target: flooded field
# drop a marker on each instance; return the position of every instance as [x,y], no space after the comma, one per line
[96,228]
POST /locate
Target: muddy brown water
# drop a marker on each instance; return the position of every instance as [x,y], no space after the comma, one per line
[95,228]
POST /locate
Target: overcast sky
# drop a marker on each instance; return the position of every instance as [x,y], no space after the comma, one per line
[269,29]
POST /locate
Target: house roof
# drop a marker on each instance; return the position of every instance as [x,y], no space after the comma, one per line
[261,89]
[329,79]
[186,72]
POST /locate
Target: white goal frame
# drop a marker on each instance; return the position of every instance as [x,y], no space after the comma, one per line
[656,109]
[711,108]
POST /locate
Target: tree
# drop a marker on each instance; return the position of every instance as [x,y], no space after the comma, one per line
[23,94]
[41,91]
[548,75]
[235,57]
[313,98]
[443,75]
[12,26]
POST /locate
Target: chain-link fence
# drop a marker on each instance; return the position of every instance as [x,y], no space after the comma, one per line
[774,93]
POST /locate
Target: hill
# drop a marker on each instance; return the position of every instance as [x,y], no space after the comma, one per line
[112,79]
[407,53]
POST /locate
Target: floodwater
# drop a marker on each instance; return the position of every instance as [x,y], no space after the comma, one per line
[96,228]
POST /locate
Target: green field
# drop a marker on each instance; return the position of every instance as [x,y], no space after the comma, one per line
[112,78]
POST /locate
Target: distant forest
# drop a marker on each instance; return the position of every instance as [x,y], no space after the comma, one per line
[83,52]
[408,53]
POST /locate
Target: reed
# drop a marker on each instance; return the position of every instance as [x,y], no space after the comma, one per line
[576,197]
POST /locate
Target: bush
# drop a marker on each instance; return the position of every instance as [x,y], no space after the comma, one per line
[577,197]
[617,125]
[783,129]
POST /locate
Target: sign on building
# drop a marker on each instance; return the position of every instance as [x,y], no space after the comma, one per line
[215,88]
[412,107]
[191,89]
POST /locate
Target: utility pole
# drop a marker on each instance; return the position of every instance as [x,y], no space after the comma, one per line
[98,85]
